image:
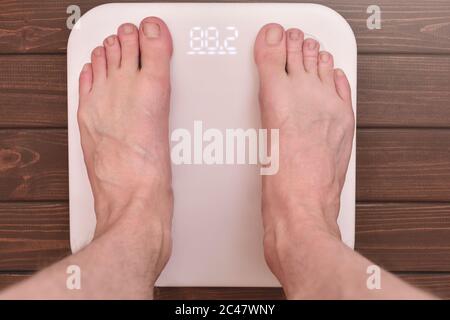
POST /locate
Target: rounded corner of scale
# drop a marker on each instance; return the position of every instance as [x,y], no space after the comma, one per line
[338,18]
[77,28]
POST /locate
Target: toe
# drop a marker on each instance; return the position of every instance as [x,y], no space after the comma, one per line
[310,55]
[98,58]
[156,47]
[270,51]
[86,78]
[294,44]
[112,47]
[129,43]
[326,65]
[342,85]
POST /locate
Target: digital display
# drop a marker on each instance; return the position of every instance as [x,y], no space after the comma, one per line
[211,40]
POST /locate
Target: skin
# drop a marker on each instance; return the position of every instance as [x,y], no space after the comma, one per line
[123,118]
[309,101]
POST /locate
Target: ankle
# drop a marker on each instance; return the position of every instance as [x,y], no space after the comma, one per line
[304,262]
[294,247]
[298,217]
[146,208]
[140,231]
[140,249]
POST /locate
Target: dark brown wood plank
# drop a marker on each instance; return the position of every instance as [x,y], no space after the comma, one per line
[33,235]
[26,109]
[393,91]
[33,165]
[211,293]
[403,91]
[405,236]
[33,91]
[33,73]
[407,26]
[403,165]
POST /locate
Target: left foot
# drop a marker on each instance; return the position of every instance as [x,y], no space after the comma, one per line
[123,117]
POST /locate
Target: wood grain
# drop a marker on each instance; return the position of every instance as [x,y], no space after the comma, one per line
[219,294]
[33,235]
[33,74]
[33,91]
[403,91]
[33,165]
[403,165]
[405,236]
[407,26]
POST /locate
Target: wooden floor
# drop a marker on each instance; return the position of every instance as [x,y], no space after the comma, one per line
[403,137]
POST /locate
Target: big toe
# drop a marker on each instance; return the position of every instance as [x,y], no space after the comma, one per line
[156,47]
[270,51]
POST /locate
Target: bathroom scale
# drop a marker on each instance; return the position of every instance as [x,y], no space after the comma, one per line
[217,225]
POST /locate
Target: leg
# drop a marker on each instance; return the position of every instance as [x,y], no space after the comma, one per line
[123,118]
[309,101]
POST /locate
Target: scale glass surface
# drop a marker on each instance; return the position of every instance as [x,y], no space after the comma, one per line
[217,227]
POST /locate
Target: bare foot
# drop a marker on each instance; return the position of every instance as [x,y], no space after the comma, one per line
[123,118]
[310,102]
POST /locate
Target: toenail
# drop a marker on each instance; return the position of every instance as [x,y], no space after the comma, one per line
[274,35]
[324,57]
[127,29]
[85,68]
[110,40]
[152,30]
[294,35]
[340,73]
[312,44]
[98,52]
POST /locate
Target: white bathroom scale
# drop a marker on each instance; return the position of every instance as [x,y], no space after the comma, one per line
[217,226]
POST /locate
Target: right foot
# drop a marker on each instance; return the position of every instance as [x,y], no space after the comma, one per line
[123,118]
[309,101]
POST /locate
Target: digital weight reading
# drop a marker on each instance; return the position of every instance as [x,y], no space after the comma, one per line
[212,41]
